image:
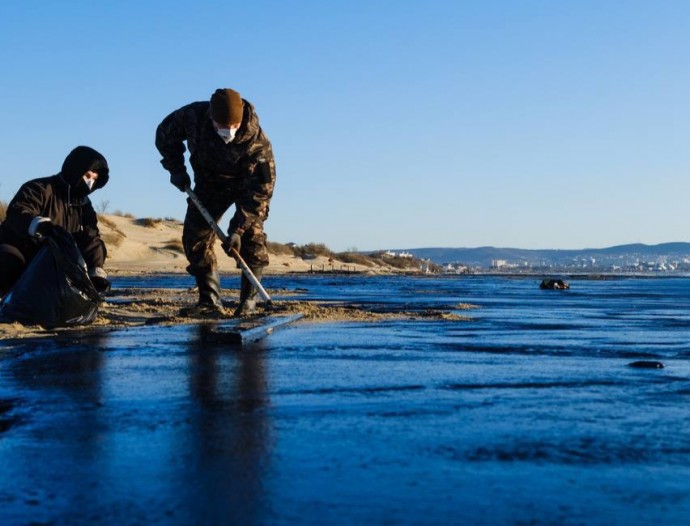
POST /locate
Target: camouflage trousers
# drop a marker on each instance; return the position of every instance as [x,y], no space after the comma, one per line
[198,237]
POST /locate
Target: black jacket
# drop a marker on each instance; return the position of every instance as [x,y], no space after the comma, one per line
[63,198]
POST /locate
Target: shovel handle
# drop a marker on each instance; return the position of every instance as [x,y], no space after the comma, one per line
[223,238]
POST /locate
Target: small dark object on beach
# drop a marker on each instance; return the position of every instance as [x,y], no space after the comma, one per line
[554,284]
[643,364]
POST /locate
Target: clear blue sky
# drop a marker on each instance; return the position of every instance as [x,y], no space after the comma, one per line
[395,124]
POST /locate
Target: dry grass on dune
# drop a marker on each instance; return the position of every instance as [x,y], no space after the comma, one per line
[174,244]
[114,236]
[149,222]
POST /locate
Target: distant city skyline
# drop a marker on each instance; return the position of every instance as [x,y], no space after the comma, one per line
[667,257]
[532,124]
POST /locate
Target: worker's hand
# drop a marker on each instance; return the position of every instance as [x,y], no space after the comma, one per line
[234,241]
[102,285]
[49,229]
[180,179]
[45,229]
[99,279]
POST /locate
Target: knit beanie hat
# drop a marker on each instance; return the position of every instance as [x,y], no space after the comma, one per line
[226,107]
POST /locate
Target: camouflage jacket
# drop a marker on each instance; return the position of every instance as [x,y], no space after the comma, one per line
[246,163]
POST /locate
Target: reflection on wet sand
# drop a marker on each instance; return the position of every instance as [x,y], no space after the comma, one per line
[106,435]
[56,447]
[230,434]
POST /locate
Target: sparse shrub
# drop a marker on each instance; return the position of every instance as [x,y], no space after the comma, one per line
[103,220]
[402,263]
[120,213]
[312,250]
[280,249]
[112,237]
[149,222]
[3,210]
[174,245]
[355,258]
[377,260]
[350,256]
[107,222]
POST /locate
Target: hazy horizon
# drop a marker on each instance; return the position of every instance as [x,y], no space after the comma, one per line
[394,124]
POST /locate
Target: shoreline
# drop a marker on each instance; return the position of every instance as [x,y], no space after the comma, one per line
[123,272]
[153,247]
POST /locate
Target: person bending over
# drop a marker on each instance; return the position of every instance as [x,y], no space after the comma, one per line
[233,163]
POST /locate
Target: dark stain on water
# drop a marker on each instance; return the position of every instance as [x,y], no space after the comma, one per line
[527,414]
[646,364]
[536,385]
[7,417]
[352,390]
[586,450]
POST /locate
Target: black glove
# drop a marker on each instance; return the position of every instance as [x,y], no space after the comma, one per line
[102,285]
[45,229]
[99,279]
[49,229]
[233,240]
[180,179]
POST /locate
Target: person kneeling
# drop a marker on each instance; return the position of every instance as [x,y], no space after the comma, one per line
[47,205]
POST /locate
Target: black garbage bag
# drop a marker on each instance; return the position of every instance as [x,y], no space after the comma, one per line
[55,289]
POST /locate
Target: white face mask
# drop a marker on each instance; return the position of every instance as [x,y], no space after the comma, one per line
[227,134]
[89,183]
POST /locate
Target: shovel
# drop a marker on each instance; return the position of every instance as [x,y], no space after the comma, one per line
[221,235]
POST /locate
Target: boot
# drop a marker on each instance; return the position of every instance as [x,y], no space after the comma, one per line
[209,296]
[247,305]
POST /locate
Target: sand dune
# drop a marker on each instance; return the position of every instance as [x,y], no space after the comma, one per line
[141,246]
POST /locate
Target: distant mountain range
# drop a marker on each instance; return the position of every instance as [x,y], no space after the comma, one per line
[621,254]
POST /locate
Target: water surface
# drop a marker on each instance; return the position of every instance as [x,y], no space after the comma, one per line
[527,414]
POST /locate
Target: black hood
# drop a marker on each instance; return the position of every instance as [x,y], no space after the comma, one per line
[81,160]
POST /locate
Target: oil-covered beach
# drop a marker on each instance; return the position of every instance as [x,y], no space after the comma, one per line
[522,408]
